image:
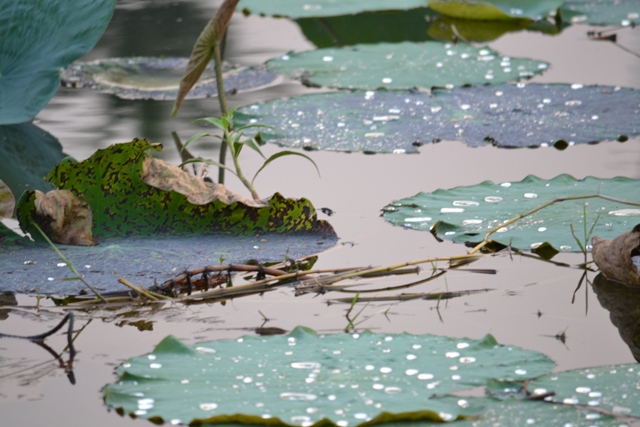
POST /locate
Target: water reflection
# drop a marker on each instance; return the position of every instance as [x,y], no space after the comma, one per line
[623,304]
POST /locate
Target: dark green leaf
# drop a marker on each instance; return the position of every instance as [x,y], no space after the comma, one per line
[491,10]
[36,40]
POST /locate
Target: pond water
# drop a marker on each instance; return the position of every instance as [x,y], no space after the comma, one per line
[530,302]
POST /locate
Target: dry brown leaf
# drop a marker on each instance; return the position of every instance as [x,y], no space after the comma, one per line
[7,201]
[163,176]
[64,217]
[613,257]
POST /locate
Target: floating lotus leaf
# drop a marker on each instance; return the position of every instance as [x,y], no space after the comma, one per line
[309,379]
[36,40]
[466,214]
[123,204]
[318,8]
[601,12]
[404,66]
[27,267]
[504,116]
[613,389]
[368,28]
[158,78]
[450,29]
[491,10]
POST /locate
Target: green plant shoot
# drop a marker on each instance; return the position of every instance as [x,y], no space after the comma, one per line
[233,138]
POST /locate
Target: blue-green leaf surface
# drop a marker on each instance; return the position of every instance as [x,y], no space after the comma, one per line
[466,214]
[37,38]
[519,115]
[613,389]
[305,379]
[404,66]
[601,12]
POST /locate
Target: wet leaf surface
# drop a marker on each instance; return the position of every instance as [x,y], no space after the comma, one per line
[530,115]
[31,268]
[466,214]
[404,66]
[159,78]
[613,389]
[36,40]
[304,9]
[601,12]
[307,379]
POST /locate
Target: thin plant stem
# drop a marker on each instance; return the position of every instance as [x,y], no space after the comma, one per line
[223,107]
[71,267]
[140,291]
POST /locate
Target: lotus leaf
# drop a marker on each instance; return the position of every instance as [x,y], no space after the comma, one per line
[27,267]
[319,8]
[36,40]
[519,115]
[613,389]
[601,12]
[308,379]
[466,214]
[404,66]
[158,78]
[123,204]
[368,28]
[492,10]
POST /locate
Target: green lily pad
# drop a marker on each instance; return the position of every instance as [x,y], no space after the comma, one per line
[519,115]
[601,12]
[492,10]
[309,379]
[369,27]
[613,389]
[123,204]
[404,66]
[466,214]
[159,78]
[318,8]
[36,40]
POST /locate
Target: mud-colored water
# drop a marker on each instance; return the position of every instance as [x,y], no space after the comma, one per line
[531,301]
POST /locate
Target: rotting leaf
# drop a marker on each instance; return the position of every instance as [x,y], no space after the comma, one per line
[7,201]
[346,379]
[124,205]
[614,257]
[163,176]
[64,217]
[203,50]
[404,66]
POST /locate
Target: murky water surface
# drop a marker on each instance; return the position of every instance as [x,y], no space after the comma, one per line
[529,305]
